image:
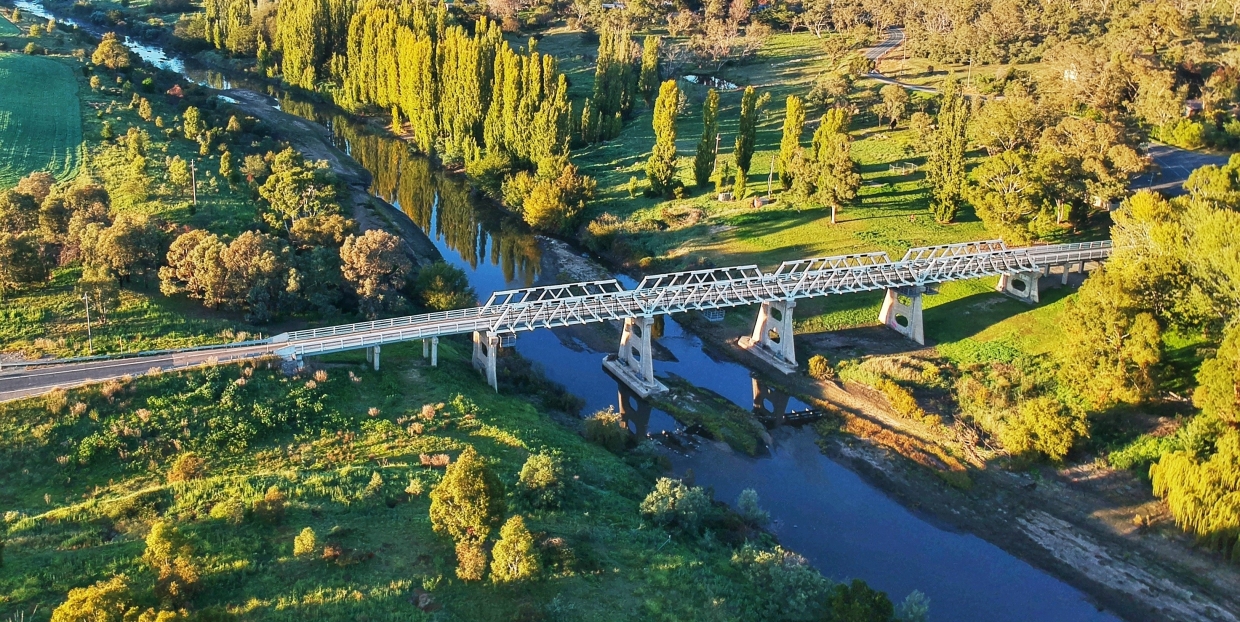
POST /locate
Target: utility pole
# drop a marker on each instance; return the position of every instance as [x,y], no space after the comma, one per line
[714,168]
[193,175]
[90,340]
[770,176]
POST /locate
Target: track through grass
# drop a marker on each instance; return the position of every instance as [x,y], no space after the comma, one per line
[40,118]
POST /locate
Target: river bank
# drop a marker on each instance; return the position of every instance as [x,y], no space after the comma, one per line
[575,362]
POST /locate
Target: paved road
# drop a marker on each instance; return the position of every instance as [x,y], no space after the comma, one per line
[895,36]
[23,383]
[1173,168]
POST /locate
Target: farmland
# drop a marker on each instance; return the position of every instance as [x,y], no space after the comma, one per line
[40,118]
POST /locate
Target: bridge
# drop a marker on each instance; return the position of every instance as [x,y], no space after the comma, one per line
[507,313]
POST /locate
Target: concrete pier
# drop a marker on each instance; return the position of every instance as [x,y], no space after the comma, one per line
[893,309]
[486,346]
[634,364]
[772,339]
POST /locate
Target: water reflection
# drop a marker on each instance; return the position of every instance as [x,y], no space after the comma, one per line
[444,207]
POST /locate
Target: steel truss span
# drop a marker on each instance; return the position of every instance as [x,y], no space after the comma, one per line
[512,311]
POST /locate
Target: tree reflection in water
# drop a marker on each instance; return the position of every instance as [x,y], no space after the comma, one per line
[442,206]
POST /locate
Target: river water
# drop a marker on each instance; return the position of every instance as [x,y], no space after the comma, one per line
[843,525]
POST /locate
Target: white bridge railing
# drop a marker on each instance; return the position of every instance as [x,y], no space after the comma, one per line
[509,312]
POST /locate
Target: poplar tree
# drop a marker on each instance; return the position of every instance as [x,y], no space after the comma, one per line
[704,159]
[837,176]
[747,128]
[661,168]
[649,78]
[615,80]
[794,123]
[945,164]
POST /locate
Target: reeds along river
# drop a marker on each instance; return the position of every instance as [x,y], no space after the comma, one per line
[829,514]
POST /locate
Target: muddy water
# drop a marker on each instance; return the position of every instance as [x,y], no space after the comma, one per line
[820,509]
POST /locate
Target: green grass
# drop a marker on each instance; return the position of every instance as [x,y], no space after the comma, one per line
[81,491]
[8,28]
[40,118]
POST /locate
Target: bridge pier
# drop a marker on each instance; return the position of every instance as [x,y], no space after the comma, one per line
[772,339]
[430,347]
[1022,286]
[634,364]
[486,346]
[893,310]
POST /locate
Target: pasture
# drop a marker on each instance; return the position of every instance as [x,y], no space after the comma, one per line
[40,118]
[8,28]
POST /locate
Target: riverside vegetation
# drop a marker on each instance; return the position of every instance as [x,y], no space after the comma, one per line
[596,147]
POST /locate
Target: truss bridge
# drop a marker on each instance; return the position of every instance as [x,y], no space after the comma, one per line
[507,313]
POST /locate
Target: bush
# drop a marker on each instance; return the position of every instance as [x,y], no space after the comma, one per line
[188,466]
[901,399]
[1184,133]
[513,557]
[469,500]
[672,504]
[788,587]
[305,543]
[270,509]
[820,368]
[171,556]
[471,560]
[606,428]
[541,480]
[105,601]
[230,510]
[858,601]
[747,506]
[442,287]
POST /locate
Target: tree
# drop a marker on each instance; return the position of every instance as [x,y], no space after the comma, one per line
[111,53]
[469,501]
[228,169]
[749,509]
[836,179]
[1218,380]
[21,260]
[858,602]
[541,480]
[513,558]
[296,189]
[661,168]
[105,601]
[471,560]
[648,80]
[171,556]
[704,158]
[1015,121]
[552,199]
[37,185]
[674,504]
[1043,425]
[306,543]
[131,246]
[747,127]
[192,123]
[443,287]
[895,102]
[945,165]
[1203,491]
[1005,195]
[376,266]
[144,109]
[178,172]
[794,124]
[1111,345]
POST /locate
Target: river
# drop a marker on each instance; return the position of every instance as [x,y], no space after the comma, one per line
[846,527]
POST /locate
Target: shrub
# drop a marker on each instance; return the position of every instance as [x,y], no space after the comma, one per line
[56,401]
[747,506]
[471,560]
[858,601]
[820,368]
[105,601]
[305,543]
[788,587]
[229,510]
[270,508]
[187,467]
[442,287]
[513,557]
[171,556]
[375,486]
[469,500]
[901,399]
[606,428]
[415,488]
[541,480]
[675,505]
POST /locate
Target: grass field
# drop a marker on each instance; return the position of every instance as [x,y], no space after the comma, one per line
[8,28]
[80,499]
[40,118]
